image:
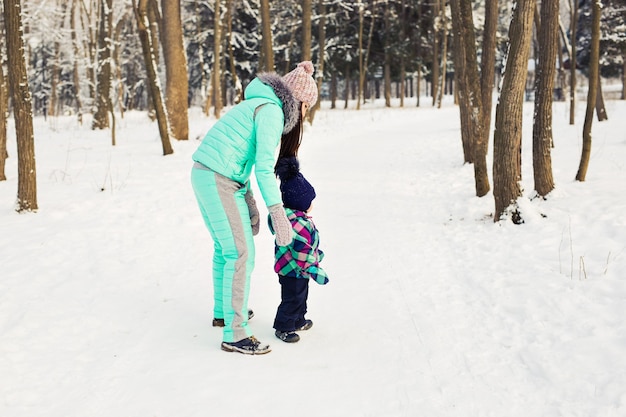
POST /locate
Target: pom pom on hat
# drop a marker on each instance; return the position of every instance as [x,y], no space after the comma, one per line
[297,192]
[301,83]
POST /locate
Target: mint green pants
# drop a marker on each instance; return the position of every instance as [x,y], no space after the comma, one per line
[226,215]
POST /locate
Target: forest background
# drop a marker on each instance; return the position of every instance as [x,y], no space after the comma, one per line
[106,57]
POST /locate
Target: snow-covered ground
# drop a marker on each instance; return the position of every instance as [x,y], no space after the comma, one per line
[432,309]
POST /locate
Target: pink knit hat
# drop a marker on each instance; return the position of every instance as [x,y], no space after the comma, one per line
[301,83]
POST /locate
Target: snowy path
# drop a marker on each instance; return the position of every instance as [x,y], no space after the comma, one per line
[432,310]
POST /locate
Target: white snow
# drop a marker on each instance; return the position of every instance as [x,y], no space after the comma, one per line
[432,308]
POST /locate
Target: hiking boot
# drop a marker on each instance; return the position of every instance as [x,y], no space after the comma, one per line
[248,346]
[220,322]
[305,326]
[288,337]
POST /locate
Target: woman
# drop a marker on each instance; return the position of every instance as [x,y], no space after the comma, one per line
[246,137]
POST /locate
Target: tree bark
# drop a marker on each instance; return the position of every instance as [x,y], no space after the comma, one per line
[507,146]
[470,96]
[75,73]
[594,74]
[267,51]
[368,48]
[459,76]
[56,67]
[217,58]
[488,64]
[22,108]
[205,85]
[4,111]
[544,86]
[403,34]
[572,64]
[418,52]
[347,86]
[624,76]
[231,55]
[333,89]
[387,64]
[103,73]
[144,25]
[176,80]
[90,42]
[361,71]
[322,53]
[435,66]
[306,30]
[444,54]
[154,19]
[600,108]
[118,69]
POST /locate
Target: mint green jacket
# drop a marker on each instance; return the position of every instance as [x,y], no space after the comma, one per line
[241,139]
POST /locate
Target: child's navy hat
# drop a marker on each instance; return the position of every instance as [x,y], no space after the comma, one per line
[296,191]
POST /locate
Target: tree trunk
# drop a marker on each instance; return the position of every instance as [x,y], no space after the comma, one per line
[435,66]
[205,85]
[4,111]
[507,146]
[624,76]
[361,71]
[488,64]
[209,96]
[217,56]
[90,44]
[154,18]
[75,73]
[459,76]
[572,64]
[560,85]
[144,25]
[22,108]
[387,69]
[544,85]
[267,51]
[402,56]
[469,92]
[444,54]
[292,40]
[56,68]
[322,53]
[231,54]
[418,52]
[594,74]
[176,83]
[347,85]
[600,108]
[306,30]
[118,68]
[103,90]
[363,75]
[333,89]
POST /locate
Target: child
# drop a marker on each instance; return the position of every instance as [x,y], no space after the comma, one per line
[299,261]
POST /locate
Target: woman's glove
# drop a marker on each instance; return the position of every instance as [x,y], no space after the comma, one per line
[282,225]
[254,212]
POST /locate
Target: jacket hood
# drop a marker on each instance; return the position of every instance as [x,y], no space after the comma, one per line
[290,103]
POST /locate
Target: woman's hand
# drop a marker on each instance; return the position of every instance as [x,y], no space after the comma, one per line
[282,225]
[254,212]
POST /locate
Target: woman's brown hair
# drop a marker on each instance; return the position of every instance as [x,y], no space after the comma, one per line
[290,142]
